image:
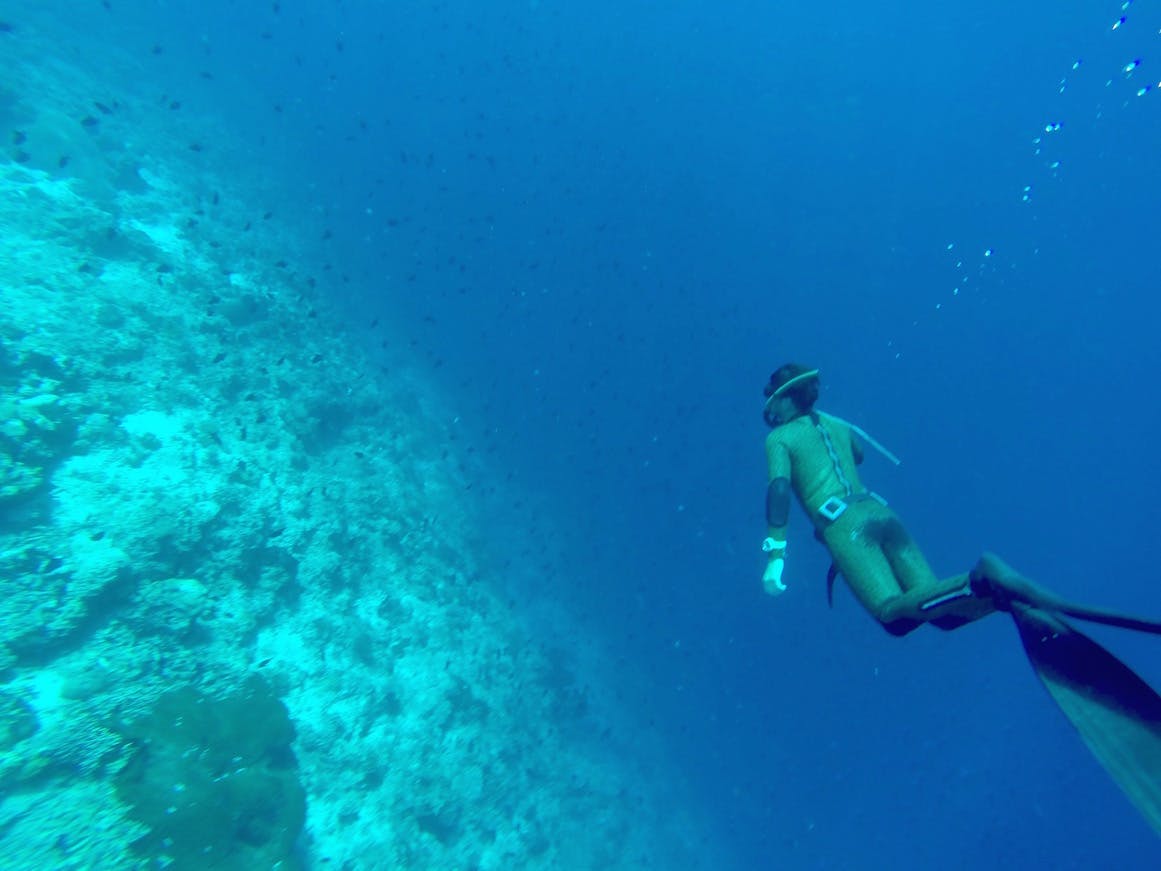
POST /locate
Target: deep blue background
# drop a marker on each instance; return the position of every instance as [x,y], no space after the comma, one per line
[604,224]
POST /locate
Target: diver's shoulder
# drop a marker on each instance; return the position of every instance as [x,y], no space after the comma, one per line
[775,438]
[786,433]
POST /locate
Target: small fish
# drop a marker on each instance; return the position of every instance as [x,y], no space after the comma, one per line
[195,146]
[316,358]
[220,356]
[102,108]
[175,105]
[19,137]
[89,121]
[64,161]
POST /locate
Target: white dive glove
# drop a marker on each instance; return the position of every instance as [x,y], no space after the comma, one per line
[772,577]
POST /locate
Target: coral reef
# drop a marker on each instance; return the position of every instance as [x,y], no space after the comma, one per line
[214,780]
[244,617]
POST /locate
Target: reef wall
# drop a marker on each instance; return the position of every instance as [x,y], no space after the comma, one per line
[244,619]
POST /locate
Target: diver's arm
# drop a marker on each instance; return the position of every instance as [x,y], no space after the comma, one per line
[777,515]
[856,450]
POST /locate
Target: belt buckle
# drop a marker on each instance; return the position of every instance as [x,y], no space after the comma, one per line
[832,509]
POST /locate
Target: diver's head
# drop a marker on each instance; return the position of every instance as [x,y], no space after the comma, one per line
[791,392]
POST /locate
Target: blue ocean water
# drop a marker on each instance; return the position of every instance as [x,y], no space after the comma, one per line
[595,229]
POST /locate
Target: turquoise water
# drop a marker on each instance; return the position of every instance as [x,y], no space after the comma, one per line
[380,448]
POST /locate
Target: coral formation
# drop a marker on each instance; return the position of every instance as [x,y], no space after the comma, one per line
[214,780]
[245,616]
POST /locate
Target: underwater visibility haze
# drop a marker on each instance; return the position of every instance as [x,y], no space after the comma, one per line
[382,480]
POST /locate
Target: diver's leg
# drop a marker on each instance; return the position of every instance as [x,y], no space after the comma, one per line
[862,563]
[920,597]
[907,560]
[891,578]
[946,604]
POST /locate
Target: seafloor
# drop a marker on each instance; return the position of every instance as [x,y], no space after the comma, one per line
[248,618]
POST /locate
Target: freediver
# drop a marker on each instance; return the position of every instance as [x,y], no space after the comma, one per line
[813,456]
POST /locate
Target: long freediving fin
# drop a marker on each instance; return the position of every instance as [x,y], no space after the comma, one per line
[1116,712]
[1107,618]
[995,579]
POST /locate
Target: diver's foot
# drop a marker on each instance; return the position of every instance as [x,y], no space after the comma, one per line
[994,579]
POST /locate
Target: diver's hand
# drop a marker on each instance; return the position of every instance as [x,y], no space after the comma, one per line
[775,549]
[772,577]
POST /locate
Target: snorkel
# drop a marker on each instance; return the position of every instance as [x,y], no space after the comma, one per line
[781,390]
